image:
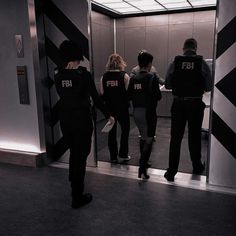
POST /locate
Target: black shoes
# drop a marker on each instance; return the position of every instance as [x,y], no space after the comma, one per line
[142,173]
[84,199]
[169,177]
[198,170]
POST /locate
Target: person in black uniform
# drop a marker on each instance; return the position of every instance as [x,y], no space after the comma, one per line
[114,85]
[144,92]
[188,77]
[153,70]
[74,86]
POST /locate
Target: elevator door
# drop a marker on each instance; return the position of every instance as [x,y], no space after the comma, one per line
[63,20]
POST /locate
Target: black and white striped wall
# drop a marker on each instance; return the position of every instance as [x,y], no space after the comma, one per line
[222,169]
[62,20]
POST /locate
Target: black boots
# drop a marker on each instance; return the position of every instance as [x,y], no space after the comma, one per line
[198,169]
[141,145]
[169,177]
[142,173]
[145,150]
[81,200]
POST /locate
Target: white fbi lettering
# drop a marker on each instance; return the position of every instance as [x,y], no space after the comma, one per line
[66,83]
[138,86]
[112,83]
[187,65]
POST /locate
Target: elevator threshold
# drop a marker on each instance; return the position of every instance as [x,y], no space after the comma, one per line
[198,182]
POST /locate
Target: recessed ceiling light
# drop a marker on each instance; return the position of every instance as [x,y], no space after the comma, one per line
[143,6]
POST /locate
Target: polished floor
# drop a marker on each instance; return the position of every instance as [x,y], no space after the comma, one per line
[36,201]
[159,156]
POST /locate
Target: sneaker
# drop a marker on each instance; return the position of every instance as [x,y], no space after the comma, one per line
[199,169]
[169,177]
[128,158]
[84,199]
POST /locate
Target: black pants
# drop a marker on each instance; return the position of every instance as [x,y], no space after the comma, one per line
[183,111]
[77,131]
[122,117]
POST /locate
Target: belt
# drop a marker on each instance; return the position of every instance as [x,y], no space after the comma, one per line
[187,98]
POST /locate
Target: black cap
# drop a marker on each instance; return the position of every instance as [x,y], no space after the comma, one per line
[71,51]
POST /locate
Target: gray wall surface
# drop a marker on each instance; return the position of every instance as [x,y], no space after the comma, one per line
[163,36]
[19,124]
[102,41]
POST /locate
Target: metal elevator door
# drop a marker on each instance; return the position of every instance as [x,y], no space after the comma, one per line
[63,20]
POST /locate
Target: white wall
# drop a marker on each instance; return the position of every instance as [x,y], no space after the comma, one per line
[19,124]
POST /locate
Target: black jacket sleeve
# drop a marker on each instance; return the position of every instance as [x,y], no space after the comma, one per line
[130,88]
[156,89]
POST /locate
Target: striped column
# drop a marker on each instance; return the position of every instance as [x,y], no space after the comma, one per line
[222,168]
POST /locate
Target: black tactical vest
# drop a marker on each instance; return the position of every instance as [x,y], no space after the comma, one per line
[73,88]
[187,78]
[142,90]
[115,94]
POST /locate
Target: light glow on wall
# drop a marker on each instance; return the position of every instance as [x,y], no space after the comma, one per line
[20,147]
[142,6]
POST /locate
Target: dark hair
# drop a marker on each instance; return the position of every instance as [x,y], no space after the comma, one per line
[144,58]
[142,51]
[190,43]
[70,51]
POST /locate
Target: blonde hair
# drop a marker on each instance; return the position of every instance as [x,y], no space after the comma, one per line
[115,62]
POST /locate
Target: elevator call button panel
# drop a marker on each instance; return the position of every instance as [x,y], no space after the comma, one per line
[23,84]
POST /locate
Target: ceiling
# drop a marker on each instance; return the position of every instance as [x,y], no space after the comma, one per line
[125,7]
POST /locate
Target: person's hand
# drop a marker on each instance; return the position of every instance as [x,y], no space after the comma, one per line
[111,120]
